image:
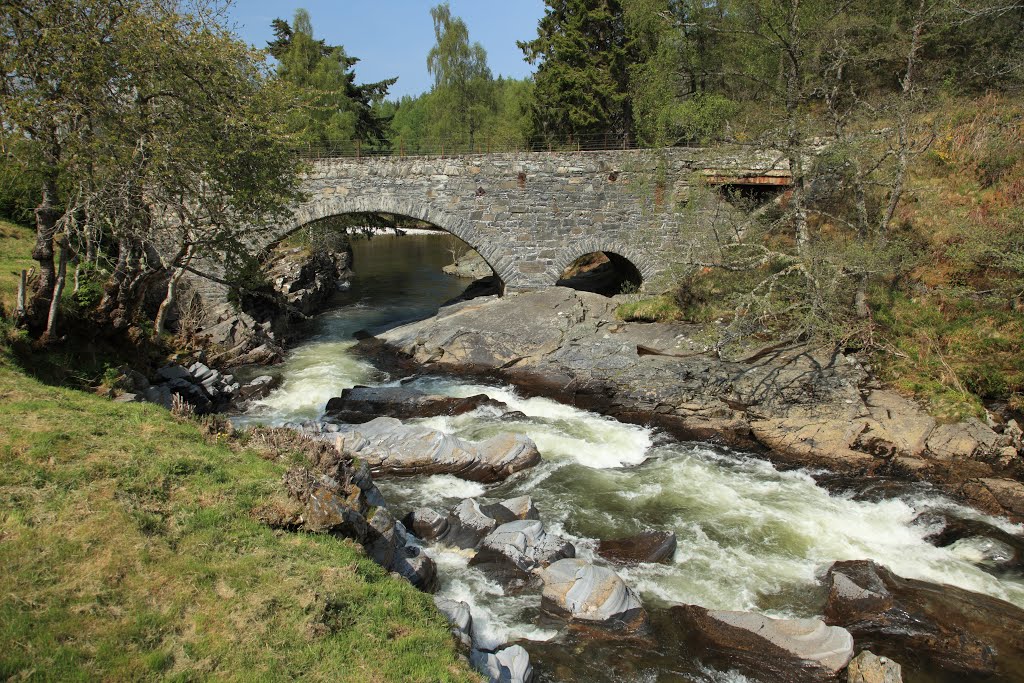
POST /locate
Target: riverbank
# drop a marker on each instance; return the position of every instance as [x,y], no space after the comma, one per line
[130,551]
[798,406]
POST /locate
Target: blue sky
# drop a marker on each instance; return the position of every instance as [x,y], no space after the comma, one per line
[393,37]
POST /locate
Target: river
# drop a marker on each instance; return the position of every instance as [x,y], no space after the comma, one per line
[750,537]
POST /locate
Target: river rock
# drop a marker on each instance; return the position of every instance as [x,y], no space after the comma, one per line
[258,388]
[780,650]
[647,546]
[906,619]
[386,542]
[1007,549]
[470,265]
[590,594]
[514,550]
[427,523]
[867,668]
[467,525]
[511,509]
[460,617]
[469,521]
[508,665]
[362,404]
[393,448]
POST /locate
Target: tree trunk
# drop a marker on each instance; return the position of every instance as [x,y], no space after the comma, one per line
[47,215]
[58,290]
[169,299]
[795,136]
[903,132]
[19,314]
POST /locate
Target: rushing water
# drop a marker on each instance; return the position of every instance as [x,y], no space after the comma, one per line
[750,537]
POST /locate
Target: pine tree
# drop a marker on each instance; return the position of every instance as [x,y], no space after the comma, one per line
[582,80]
[339,113]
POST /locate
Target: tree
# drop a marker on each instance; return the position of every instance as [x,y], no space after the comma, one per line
[463,95]
[158,133]
[583,52]
[337,112]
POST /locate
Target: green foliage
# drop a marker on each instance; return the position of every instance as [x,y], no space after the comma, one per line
[657,309]
[463,87]
[335,112]
[19,185]
[582,84]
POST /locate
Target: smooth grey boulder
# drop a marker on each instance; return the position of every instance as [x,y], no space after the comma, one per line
[520,507]
[597,596]
[387,543]
[777,649]
[393,448]
[467,525]
[469,521]
[460,618]
[509,665]
[514,550]
[867,668]
[427,523]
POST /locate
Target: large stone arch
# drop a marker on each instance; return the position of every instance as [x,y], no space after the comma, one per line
[336,205]
[644,264]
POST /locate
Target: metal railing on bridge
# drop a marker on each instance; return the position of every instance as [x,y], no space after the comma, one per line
[451,147]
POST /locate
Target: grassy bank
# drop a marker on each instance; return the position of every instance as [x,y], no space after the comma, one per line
[128,552]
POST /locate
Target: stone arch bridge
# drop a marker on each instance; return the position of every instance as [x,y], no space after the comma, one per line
[531,214]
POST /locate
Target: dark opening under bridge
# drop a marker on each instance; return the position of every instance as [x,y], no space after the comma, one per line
[531,214]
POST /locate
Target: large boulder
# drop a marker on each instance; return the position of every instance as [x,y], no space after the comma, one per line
[782,650]
[647,546]
[514,550]
[909,620]
[393,448]
[469,521]
[592,596]
[362,404]
[467,525]
[426,523]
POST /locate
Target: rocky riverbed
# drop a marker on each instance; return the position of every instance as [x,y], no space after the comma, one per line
[798,406]
[566,546]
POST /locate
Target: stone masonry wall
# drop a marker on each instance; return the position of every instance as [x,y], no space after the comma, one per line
[531,214]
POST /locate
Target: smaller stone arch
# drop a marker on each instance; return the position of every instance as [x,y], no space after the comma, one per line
[638,260]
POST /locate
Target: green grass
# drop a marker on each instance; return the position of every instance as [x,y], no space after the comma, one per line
[661,308]
[15,246]
[950,353]
[129,552]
